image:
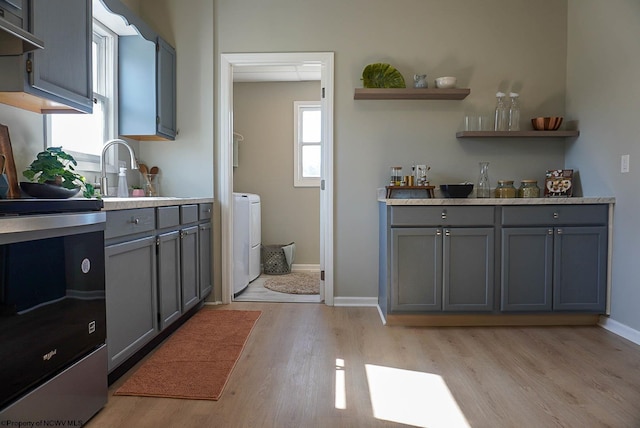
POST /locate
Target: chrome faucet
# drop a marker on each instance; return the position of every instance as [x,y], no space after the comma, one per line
[104,183]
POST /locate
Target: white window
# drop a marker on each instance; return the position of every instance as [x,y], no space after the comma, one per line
[307,143]
[83,135]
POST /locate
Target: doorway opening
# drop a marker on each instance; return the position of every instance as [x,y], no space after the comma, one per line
[275,67]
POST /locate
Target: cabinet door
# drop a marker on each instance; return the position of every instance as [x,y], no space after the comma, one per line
[189,267]
[130,274]
[166,89]
[169,294]
[204,240]
[62,72]
[416,269]
[527,269]
[580,275]
[468,269]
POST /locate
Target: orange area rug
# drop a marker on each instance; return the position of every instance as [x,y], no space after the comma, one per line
[196,361]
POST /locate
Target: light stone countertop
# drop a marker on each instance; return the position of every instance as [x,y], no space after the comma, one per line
[492,201]
[111,204]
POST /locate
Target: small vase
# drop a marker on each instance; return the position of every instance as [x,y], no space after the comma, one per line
[419,80]
[484,185]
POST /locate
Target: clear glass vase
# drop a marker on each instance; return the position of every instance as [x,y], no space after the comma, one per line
[484,185]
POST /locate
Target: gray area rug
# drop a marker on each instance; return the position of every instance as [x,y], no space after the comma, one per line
[294,283]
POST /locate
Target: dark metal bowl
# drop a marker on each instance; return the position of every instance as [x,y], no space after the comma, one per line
[461,190]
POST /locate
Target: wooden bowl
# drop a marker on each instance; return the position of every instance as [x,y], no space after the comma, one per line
[550,123]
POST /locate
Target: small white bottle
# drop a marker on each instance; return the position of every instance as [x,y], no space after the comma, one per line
[514,112]
[123,188]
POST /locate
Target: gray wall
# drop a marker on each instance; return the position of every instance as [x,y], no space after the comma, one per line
[263,114]
[488,45]
[603,92]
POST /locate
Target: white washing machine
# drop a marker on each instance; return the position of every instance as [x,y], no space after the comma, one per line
[246,239]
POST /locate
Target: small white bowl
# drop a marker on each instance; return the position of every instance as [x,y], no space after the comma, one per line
[446,82]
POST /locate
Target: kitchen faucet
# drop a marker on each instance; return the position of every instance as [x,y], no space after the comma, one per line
[104,184]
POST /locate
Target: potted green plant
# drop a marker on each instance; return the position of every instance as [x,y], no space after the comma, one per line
[55,168]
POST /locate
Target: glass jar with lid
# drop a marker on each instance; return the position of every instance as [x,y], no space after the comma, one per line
[505,189]
[529,189]
[396,176]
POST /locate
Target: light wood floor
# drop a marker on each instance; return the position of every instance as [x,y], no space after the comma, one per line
[317,366]
[256,292]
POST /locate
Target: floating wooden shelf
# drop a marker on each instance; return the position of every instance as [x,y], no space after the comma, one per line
[516,134]
[410,94]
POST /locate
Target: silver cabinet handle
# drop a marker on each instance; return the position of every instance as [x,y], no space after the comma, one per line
[550,231]
[443,215]
[447,232]
[438,232]
[559,231]
[135,221]
[556,215]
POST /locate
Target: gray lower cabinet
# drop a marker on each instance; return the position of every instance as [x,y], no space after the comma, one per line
[189,267]
[204,241]
[169,293]
[441,258]
[448,269]
[130,272]
[153,273]
[558,262]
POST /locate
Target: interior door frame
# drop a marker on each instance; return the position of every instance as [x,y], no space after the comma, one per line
[225,137]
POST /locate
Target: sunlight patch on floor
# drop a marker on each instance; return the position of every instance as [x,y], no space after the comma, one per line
[341,394]
[413,398]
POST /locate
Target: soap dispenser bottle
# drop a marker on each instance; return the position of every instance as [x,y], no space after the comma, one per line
[123,188]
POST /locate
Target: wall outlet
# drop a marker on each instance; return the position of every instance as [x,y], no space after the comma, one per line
[624,163]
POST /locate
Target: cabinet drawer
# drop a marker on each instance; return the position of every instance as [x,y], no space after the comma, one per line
[205,211]
[545,215]
[168,216]
[188,213]
[129,222]
[442,216]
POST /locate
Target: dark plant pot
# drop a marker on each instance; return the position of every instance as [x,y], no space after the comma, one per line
[47,191]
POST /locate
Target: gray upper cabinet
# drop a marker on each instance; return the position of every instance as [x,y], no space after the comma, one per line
[147,88]
[147,80]
[57,78]
[166,89]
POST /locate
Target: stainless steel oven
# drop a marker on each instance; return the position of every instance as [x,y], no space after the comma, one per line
[52,311]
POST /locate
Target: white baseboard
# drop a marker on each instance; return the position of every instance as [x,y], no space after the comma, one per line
[355,301]
[212,303]
[298,267]
[620,329]
[384,321]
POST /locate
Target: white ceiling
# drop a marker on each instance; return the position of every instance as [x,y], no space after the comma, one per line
[276,73]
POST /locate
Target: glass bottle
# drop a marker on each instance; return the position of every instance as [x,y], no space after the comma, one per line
[505,189]
[514,112]
[501,118]
[483,190]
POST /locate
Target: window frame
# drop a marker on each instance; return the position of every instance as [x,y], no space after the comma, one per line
[105,91]
[298,179]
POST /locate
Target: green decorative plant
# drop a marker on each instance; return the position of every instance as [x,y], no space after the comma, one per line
[55,166]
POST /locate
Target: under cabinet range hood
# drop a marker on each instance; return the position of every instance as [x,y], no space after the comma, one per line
[16,41]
